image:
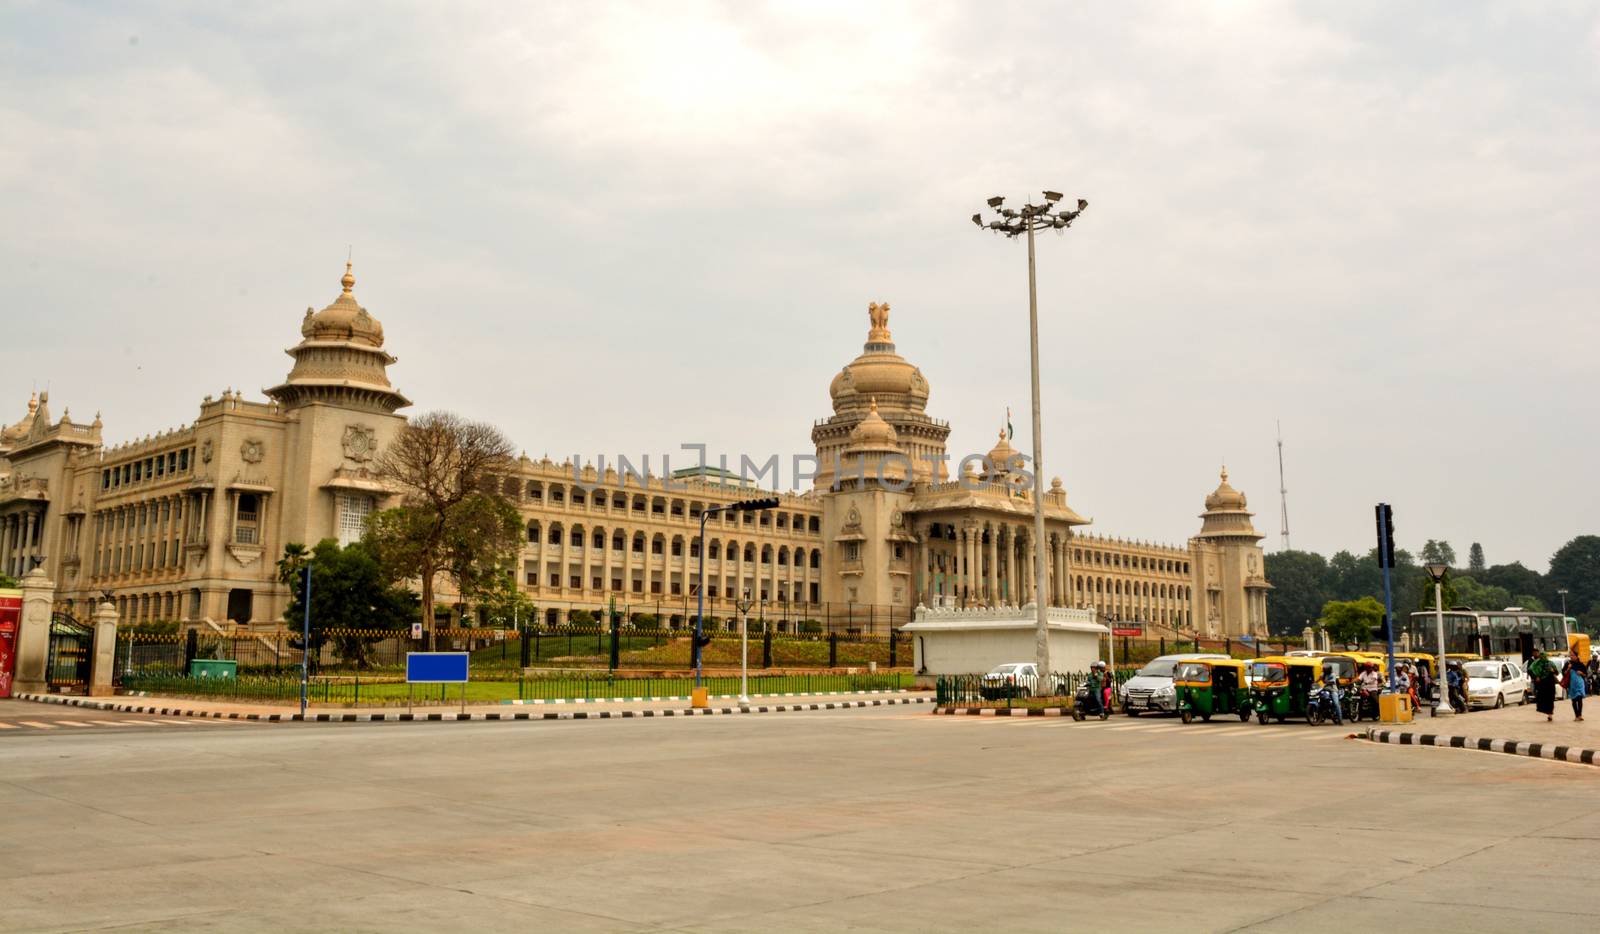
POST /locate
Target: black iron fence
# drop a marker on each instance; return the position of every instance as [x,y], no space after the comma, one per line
[507,651]
[388,690]
[985,689]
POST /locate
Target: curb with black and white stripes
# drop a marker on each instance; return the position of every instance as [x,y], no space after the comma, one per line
[1509,746]
[1004,711]
[469,717]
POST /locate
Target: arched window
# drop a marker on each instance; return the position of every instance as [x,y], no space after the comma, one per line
[816,558]
[715,548]
[638,543]
[555,533]
[750,554]
[658,544]
[677,546]
[577,536]
[536,491]
[766,554]
[533,532]
[599,538]
[783,554]
[619,542]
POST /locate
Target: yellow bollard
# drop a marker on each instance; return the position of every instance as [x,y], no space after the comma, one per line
[700,698]
[1394,708]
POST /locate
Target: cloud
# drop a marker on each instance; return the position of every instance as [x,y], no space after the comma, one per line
[618,227]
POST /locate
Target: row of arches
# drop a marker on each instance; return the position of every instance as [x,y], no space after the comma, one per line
[1084,557]
[578,537]
[645,505]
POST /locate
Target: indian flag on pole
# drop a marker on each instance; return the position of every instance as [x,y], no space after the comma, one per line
[1011,433]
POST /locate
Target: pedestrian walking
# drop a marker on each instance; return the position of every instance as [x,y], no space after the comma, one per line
[1576,682]
[1543,672]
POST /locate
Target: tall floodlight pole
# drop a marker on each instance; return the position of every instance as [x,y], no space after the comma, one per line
[1437,572]
[1566,632]
[1014,223]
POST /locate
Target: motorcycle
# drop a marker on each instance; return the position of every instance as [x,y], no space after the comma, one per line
[1085,701]
[1320,706]
[1366,705]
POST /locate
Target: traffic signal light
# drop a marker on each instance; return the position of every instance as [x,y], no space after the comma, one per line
[1385,522]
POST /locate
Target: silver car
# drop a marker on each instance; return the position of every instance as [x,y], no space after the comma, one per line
[1150,689]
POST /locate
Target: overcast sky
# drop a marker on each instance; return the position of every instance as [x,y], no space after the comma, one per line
[614,228]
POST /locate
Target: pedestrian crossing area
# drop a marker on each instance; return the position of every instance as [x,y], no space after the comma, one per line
[21,727]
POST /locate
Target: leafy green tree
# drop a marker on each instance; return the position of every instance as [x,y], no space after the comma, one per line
[483,537]
[1475,560]
[1576,568]
[1352,622]
[446,466]
[350,592]
[1515,578]
[1299,581]
[7,582]
[1439,552]
[507,606]
[1470,592]
[1450,597]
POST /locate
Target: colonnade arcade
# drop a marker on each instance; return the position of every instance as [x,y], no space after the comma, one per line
[986,562]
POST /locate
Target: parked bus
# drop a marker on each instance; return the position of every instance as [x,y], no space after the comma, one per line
[1511,631]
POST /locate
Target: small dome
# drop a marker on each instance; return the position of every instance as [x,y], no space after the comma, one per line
[873,432]
[1003,456]
[344,319]
[1225,496]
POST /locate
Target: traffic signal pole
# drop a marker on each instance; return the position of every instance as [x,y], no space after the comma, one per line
[1385,517]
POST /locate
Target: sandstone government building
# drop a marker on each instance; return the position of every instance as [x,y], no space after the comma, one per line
[188,525]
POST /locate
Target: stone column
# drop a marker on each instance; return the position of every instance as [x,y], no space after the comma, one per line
[993,575]
[105,651]
[33,635]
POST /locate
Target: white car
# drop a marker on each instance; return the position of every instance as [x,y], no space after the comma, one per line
[1017,679]
[1496,683]
[1151,689]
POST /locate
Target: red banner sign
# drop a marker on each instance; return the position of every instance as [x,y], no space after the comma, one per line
[10,622]
[1127,631]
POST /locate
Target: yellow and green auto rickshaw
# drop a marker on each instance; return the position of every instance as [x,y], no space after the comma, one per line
[1210,686]
[1280,685]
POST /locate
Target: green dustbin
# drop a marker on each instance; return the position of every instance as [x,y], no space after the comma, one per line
[225,668]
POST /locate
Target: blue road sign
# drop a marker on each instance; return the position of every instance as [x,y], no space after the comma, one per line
[436,667]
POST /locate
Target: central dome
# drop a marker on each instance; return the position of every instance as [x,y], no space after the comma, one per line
[344,319]
[1225,497]
[879,372]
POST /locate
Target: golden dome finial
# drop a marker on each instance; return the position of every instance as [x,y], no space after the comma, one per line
[874,405]
[1224,473]
[349,279]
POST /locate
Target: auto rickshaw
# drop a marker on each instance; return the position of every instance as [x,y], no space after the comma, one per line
[1210,686]
[1280,685]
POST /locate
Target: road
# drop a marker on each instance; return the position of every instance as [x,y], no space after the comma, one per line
[885,819]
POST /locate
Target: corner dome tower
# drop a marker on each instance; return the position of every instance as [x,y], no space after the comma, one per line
[340,359]
[1227,515]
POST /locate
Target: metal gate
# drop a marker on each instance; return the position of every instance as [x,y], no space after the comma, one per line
[71,648]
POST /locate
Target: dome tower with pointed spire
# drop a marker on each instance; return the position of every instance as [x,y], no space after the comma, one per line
[340,359]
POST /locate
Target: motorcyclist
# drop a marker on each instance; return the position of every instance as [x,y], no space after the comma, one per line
[1458,693]
[1096,689]
[1329,695]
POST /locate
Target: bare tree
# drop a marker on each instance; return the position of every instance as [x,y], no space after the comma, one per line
[444,463]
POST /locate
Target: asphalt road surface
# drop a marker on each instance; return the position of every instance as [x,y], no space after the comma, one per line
[879,819]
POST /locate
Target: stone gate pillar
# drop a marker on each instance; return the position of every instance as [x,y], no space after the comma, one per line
[105,651]
[33,635]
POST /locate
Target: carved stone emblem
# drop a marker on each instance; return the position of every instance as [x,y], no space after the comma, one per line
[359,443]
[205,451]
[252,451]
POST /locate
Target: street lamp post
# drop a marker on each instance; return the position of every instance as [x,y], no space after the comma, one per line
[743,603]
[1014,223]
[1566,632]
[1437,572]
[744,505]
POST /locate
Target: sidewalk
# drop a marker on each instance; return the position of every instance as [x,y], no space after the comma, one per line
[1515,730]
[277,713]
